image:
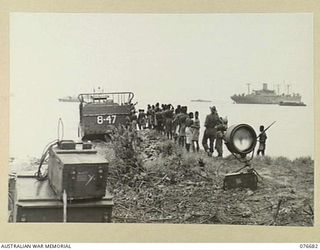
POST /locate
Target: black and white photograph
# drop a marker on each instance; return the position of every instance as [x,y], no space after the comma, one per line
[177,118]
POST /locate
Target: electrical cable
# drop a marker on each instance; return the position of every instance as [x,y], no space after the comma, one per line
[39,175]
[45,148]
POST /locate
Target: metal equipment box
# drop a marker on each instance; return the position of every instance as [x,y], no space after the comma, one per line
[35,201]
[67,144]
[240,180]
[82,173]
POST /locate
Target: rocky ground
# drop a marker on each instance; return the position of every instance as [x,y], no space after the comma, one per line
[155,181]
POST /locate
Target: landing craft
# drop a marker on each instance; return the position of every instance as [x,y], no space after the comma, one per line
[101,113]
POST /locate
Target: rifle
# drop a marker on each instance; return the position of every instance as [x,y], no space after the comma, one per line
[266,129]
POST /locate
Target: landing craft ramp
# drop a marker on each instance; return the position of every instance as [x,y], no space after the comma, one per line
[101,113]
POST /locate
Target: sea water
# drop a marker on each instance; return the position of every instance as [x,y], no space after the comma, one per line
[34,123]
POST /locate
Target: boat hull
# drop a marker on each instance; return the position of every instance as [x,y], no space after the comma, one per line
[69,99]
[253,99]
[292,104]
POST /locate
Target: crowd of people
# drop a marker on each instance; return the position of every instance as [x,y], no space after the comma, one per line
[182,126]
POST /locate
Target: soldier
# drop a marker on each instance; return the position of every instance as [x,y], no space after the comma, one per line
[159,118]
[182,126]
[178,109]
[153,117]
[156,110]
[210,132]
[141,119]
[134,122]
[195,132]
[221,128]
[189,123]
[175,123]
[127,122]
[168,115]
[160,121]
[149,116]
[262,141]
[180,122]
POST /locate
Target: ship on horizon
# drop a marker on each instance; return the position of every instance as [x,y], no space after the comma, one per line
[200,100]
[69,99]
[265,96]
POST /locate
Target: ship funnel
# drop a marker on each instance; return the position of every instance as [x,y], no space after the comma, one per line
[265,86]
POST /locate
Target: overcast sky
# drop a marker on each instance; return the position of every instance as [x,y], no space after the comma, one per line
[182,56]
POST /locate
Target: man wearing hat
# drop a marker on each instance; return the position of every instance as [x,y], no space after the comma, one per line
[141,119]
[221,128]
[210,132]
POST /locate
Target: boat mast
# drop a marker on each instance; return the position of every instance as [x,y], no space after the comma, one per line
[288,87]
[248,84]
[278,88]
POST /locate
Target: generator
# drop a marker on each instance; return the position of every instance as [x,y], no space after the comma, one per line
[78,170]
[36,201]
[72,187]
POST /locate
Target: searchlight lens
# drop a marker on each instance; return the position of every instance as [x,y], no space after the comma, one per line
[241,139]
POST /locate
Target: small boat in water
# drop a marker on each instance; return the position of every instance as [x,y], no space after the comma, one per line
[288,103]
[200,100]
[69,99]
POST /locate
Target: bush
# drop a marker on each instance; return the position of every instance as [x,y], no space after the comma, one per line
[168,148]
[303,161]
[267,160]
[124,143]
